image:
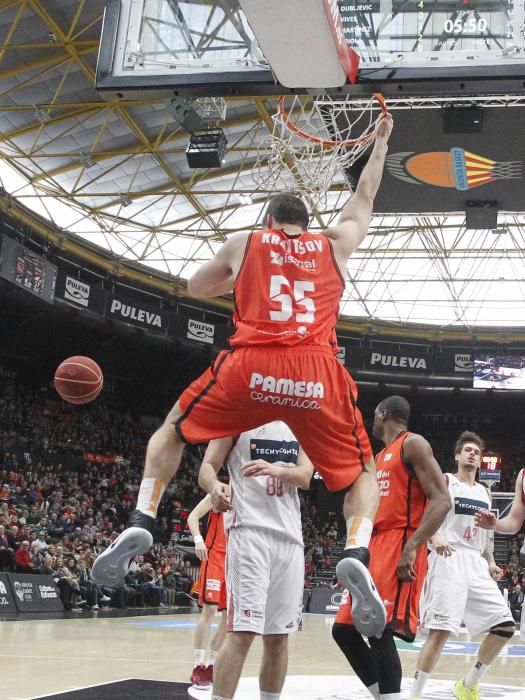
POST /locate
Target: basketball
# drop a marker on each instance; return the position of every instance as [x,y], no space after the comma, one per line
[78,380]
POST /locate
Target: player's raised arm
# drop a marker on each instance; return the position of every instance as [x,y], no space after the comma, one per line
[214,458]
[356,214]
[418,454]
[217,276]
[511,523]
[201,509]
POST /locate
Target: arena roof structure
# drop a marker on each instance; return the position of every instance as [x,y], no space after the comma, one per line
[114,173]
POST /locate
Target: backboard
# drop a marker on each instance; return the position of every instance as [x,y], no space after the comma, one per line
[407,47]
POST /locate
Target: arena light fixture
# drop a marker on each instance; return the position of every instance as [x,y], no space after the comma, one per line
[206,149]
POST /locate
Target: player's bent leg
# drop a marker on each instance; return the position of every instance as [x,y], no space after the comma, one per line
[274,665]
[358,654]
[360,507]
[163,457]
[229,663]
[427,661]
[468,688]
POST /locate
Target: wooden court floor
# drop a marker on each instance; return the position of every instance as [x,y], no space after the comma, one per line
[45,657]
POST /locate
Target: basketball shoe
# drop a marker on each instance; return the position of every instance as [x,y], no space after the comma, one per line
[200,677]
[463,693]
[368,611]
[111,566]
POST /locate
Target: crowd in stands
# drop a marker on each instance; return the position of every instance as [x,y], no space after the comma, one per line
[70,476]
[513,580]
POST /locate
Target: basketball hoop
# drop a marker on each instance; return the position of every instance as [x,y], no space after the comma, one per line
[312,140]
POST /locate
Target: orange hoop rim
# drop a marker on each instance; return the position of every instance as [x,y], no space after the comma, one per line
[327,143]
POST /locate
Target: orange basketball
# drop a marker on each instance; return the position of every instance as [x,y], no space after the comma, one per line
[79,380]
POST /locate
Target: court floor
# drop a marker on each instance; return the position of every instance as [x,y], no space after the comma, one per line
[58,657]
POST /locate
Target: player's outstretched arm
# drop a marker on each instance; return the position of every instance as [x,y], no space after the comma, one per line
[356,214]
[418,454]
[217,276]
[201,509]
[298,476]
[511,523]
[214,458]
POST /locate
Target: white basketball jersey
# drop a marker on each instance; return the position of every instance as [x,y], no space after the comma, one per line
[264,501]
[459,527]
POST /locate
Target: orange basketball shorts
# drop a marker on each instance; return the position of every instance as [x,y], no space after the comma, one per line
[401,600]
[212,580]
[307,388]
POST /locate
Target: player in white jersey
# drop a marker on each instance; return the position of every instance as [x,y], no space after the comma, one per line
[509,525]
[265,555]
[461,581]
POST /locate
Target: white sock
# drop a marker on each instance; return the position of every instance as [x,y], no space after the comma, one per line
[150,492]
[374,690]
[420,679]
[475,674]
[358,531]
[390,696]
[270,696]
[199,655]
[211,657]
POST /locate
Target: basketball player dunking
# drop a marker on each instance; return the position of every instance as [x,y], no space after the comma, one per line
[287,286]
[212,590]
[509,525]
[414,502]
[265,572]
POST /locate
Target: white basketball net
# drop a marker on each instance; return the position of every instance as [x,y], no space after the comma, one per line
[313,140]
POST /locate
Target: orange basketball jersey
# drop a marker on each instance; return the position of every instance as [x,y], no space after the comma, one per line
[402,499]
[215,536]
[287,291]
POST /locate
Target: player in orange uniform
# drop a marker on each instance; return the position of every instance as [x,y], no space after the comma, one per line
[212,590]
[414,502]
[287,285]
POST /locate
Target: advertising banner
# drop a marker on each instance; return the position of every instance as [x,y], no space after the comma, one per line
[325,601]
[79,294]
[27,270]
[7,599]
[409,361]
[35,593]
[137,313]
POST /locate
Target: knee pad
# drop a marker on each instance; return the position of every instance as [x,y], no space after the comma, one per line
[505,629]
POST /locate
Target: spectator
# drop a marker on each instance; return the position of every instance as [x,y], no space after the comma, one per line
[516,602]
[23,559]
[68,586]
[37,560]
[6,552]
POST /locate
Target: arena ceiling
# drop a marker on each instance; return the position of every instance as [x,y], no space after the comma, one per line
[115,174]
